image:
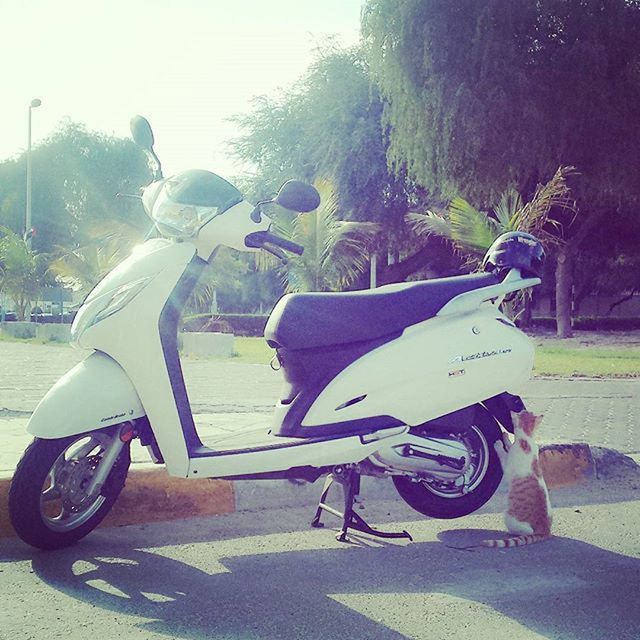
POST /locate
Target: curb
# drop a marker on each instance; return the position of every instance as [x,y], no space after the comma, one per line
[151,496]
[154,496]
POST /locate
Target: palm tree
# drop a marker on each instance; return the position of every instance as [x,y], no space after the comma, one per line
[336,252]
[472,232]
[108,244]
[22,271]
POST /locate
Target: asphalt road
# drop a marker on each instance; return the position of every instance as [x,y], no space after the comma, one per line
[267,576]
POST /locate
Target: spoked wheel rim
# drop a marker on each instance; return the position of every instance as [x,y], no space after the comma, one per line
[64,502]
[478,449]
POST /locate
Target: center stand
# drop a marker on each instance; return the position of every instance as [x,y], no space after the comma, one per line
[348,476]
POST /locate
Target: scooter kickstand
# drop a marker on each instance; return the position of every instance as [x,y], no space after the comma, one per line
[321,506]
[349,478]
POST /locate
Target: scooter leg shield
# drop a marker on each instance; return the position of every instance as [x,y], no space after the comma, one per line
[96,393]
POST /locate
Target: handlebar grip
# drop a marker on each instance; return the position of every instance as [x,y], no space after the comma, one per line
[259,238]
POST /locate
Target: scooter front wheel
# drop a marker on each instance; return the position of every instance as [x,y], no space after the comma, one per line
[49,504]
[446,500]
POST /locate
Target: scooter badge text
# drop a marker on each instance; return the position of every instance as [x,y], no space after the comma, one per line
[479,355]
[108,418]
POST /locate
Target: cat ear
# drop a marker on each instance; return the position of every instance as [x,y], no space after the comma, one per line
[532,424]
[527,421]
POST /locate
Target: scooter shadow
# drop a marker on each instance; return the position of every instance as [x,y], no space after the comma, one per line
[560,588]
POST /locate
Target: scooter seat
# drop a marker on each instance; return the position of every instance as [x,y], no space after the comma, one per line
[308,320]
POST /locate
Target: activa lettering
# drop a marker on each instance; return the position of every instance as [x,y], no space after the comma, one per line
[479,355]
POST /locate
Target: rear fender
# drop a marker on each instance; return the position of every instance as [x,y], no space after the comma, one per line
[96,393]
[502,406]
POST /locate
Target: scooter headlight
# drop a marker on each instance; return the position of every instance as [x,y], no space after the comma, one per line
[105,306]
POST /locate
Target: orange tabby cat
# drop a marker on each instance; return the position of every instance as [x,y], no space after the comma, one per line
[528,515]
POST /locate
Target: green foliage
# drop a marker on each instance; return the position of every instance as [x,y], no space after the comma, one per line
[223,273]
[335,252]
[79,221]
[108,243]
[328,126]
[472,231]
[462,224]
[490,92]
[22,272]
[76,176]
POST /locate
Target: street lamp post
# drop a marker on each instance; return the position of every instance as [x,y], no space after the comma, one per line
[36,102]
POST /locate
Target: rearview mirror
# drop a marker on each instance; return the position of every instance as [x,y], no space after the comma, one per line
[298,196]
[142,133]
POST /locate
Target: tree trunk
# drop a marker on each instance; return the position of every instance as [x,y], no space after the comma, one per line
[527,313]
[563,293]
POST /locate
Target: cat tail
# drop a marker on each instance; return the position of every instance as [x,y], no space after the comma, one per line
[516,541]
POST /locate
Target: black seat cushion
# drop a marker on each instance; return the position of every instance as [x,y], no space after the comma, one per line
[308,320]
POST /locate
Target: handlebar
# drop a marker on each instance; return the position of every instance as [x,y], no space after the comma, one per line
[258,239]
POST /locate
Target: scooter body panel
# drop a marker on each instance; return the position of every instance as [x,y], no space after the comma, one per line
[96,393]
[432,369]
[132,338]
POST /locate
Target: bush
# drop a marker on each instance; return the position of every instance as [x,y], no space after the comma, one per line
[241,324]
[217,325]
[586,323]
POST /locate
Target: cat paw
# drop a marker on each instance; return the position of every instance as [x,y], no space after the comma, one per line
[502,454]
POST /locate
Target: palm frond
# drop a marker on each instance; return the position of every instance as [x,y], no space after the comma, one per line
[8,232]
[108,243]
[425,224]
[471,229]
[336,252]
[555,195]
[507,211]
[350,251]
[468,229]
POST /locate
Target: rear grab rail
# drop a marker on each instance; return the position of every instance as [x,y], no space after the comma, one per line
[496,292]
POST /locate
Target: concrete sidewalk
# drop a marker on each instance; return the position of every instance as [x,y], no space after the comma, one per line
[227,396]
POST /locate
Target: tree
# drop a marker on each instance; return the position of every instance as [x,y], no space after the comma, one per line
[335,251]
[77,174]
[330,126]
[472,231]
[521,88]
[22,272]
[107,244]
[79,222]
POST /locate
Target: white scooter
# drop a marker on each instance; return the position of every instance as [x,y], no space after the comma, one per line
[411,381]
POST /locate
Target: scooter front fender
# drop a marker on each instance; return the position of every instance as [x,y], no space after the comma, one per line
[96,393]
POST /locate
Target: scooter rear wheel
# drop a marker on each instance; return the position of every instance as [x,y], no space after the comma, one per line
[454,500]
[48,506]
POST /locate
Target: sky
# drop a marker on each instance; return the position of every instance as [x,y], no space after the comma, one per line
[187,65]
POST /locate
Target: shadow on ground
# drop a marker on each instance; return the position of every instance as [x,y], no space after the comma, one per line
[562,588]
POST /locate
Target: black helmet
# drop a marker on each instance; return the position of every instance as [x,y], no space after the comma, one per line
[515,250]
